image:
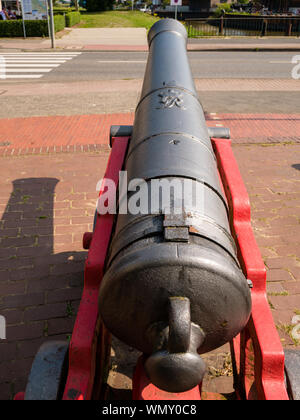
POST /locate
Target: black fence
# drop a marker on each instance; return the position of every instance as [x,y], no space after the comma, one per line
[252,26]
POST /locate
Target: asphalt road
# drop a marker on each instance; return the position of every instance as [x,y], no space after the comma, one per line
[43,96]
[89,66]
[131,65]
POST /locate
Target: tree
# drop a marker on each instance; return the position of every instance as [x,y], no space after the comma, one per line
[99,5]
[75,3]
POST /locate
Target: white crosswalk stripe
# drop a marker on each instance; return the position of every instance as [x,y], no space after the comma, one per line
[27,65]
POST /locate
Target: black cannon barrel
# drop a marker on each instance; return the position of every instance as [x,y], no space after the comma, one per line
[173,287]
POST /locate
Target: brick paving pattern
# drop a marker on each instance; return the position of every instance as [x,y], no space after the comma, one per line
[35,135]
[246,84]
[47,201]
[261,128]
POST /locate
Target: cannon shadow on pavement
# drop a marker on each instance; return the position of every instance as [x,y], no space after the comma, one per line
[39,290]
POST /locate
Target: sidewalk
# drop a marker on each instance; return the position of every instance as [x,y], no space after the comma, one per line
[47,201]
[40,135]
[135,39]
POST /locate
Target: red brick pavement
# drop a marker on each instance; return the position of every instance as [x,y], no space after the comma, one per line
[48,201]
[261,128]
[63,133]
[54,134]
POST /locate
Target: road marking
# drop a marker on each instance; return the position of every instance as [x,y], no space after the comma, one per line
[280,62]
[35,57]
[30,65]
[34,62]
[41,63]
[40,54]
[28,70]
[24,76]
[122,61]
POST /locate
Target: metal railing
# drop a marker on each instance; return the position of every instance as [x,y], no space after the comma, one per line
[252,26]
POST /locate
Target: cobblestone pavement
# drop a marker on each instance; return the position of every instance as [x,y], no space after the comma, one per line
[47,201]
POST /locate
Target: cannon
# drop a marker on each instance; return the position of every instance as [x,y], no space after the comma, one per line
[173,287]
[171,278]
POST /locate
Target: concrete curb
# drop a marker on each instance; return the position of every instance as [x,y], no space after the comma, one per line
[142,48]
[251,47]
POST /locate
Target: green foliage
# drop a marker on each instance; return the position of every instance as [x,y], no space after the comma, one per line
[117,19]
[165,3]
[221,8]
[72,19]
[63,10]
[14,28]
[59,23]
[99,5]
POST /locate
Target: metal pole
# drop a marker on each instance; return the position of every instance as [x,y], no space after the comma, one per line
[176,12]
[52,30]
[47,8]
[132,5]
[24,30]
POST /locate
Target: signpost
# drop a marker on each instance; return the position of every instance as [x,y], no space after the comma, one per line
[38,10]
[23,18]
[176,3]
[34,9]
[52,29]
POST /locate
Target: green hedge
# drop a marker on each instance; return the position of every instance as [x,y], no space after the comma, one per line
[62,10]
[59,23]
[65,10]
[14,28]
[72,19]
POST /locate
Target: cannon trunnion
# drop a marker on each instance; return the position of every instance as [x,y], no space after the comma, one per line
[173,287]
